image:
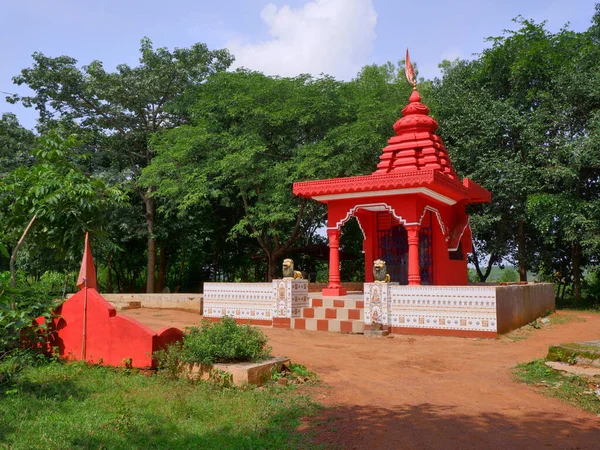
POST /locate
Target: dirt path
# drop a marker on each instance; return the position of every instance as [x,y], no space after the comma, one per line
[419,392]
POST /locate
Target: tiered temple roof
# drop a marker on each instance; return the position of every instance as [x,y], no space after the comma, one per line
[414,158]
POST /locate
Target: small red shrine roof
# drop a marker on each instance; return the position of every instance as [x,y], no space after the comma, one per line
[414,161]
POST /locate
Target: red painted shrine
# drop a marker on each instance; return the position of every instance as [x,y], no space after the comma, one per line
[411,209]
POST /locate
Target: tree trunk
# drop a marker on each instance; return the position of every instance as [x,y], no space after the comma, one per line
[491,261]
[576,262]
[13,256]
[522,254]
[162,268]
[180,271]
[557,292]
[562,296]
[271,266]
[150,283]
[109,288]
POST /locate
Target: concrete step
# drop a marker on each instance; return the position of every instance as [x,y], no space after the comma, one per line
[329,302]
[333,313]
[335,325]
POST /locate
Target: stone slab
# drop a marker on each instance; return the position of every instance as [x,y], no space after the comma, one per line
[582,371]
[242,372]
[586,352]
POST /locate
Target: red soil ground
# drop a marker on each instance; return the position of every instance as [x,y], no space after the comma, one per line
[417,392]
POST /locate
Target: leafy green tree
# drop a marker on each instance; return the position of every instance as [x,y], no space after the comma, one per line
[523,120]
[249,137]
[55,195]
[116,113]
[15,144]
[485,137]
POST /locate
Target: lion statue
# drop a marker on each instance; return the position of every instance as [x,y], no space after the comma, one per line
[288,270]
[380,272]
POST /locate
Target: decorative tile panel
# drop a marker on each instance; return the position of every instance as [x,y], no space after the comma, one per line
[471,308]
[257,301]
[239,300]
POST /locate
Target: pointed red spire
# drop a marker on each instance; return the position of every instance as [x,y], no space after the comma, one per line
[87,273]
[415,146]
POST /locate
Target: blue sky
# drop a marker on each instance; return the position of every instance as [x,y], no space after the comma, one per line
[278,37]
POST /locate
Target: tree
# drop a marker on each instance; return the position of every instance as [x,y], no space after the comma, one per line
[248,139]
[57,196]
[486,140]
[116,113]
[15,144]
[251,136]
[524,118]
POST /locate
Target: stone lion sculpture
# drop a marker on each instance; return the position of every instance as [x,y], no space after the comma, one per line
[380,272]
[288,270]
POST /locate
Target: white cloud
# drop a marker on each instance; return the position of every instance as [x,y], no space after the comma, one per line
[323,36]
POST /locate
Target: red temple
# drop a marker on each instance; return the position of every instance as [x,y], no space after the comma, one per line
[411,209]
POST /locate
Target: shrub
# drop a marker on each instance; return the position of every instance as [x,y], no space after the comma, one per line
[18,309]
[509,275]
[170,360]
[224,341]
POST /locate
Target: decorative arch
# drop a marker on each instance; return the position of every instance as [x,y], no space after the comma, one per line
[456,242]
[383,206]
[439,218]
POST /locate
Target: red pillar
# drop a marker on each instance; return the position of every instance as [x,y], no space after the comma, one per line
[334,288]
[414,271]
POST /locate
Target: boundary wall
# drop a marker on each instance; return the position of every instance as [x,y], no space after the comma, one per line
[186,302]
[274,303]
[464,311]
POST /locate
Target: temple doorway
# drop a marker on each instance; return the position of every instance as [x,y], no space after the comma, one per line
[392,247]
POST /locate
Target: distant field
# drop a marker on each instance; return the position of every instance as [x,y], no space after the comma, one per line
[497,273]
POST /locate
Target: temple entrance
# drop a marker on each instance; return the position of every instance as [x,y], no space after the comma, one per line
[426,249]
[392,247]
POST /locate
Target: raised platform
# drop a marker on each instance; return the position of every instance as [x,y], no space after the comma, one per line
[478,311]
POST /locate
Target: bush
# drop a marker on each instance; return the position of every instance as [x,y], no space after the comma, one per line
[18,309]
[224,341]
[170,360]
[509,275]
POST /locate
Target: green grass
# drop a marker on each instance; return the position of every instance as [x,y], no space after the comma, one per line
[559,319]
[60,406]
[574,390]
[497,272]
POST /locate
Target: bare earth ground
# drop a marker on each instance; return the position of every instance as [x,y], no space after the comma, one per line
[417,392]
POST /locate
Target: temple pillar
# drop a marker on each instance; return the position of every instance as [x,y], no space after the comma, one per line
[414,271]
[334,288]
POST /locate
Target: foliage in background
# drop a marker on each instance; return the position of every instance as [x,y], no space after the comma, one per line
[53,201]
[115,114]
[522,119]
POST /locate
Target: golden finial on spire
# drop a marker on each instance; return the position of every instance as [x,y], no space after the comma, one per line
[410,72]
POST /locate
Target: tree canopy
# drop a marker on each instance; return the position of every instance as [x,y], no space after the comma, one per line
[202,159]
